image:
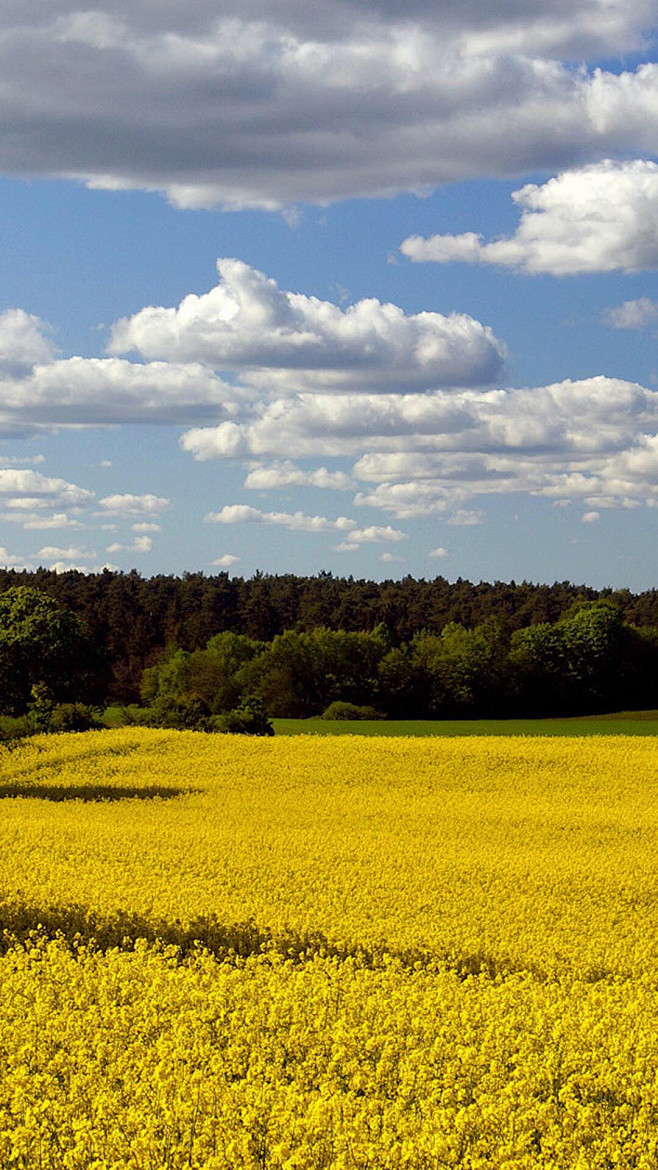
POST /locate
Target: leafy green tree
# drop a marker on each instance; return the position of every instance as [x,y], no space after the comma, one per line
[182,712]
[299,674]
[401,684]
[248,718]
[215,672]
[464,671]
[539,669]
[42,643]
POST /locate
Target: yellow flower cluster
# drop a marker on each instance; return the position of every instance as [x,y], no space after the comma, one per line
[416,953]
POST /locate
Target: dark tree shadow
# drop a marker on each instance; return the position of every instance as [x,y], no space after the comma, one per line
[92,792]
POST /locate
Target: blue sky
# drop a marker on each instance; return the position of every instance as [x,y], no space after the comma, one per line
[430,343]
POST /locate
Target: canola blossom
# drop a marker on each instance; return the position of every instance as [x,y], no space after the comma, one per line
[314,952]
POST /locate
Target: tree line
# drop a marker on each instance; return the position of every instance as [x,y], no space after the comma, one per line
[129,618]
[587,661]
[591,658]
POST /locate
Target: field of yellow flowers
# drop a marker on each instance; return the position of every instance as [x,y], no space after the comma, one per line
[225,953]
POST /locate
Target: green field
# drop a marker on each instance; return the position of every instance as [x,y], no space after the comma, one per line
[620,723]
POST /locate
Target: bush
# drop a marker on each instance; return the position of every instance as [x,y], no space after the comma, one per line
[73,717]
[249,718]
[342,710]
[182,713]
[13,728]
[128,715]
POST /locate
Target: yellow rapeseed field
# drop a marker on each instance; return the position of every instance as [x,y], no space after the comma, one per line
[222,952]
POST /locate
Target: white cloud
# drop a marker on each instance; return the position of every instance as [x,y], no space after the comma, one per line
[376,534]
[225,561]
[141,544]
[24,341]
[300,522]
[126,504]
[261,104]
[600,218]
[106,391]
[105,463]
[278,342]
[37,521]
[37,489]
[594,441]
[331,425]
[438,552]
[63,554]
[18,460]
[36,501]
[389,558]
[296,521]
[146,526]
[286,341]
[590,517]
[632,314]
[10,561]
[287,474]
[67,567]
[465,518]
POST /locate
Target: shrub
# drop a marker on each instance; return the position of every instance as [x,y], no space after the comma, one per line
[342,710]
[182,712]
[73,717]
[249,718]
[13,728]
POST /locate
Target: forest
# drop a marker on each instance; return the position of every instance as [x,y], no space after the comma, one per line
[190,649]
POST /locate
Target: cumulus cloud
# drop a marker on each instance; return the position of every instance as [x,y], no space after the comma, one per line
[267,341]
[301,522]
[37,521]
[127,504]
[438,552]
[24,485]
[389,558]
[288,474]
[141,544]
[67,567]
[594,441]
[37,501]
[267,105]
[24,341]
[590,517]
[376,534]
[10,561]
[105,391]
[600,218]
[288,341]
[63,554]
[225,561]
[296,521]
[22,460]
[632,314]
[146,526]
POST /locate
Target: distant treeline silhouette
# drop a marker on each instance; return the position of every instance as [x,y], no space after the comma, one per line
[129,620]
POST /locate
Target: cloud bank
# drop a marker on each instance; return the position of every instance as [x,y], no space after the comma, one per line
[266,104]
[594,441]
[261,339]
[601,218]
